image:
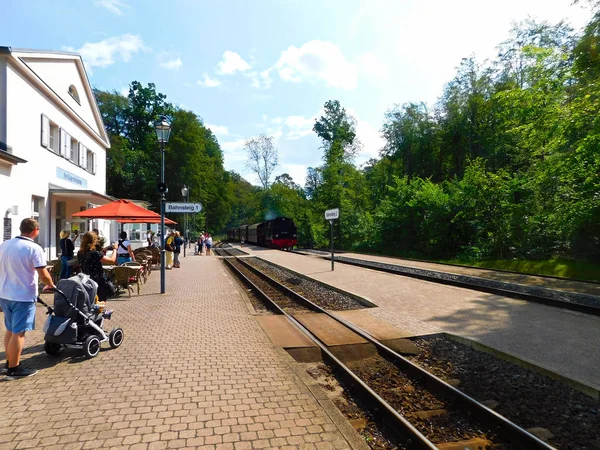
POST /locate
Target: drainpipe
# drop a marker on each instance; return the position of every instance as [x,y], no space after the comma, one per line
[49,216]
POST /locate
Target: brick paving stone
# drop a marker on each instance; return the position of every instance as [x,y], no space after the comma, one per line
[195,371]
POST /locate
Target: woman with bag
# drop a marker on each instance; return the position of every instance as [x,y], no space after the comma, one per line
[91,261]
[124,252]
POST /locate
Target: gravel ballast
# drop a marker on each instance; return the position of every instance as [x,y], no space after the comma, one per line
[313,291]
[527,398]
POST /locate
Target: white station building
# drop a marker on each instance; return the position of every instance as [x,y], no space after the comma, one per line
[52,146]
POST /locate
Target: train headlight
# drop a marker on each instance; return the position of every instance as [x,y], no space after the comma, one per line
[276,235]
[294,235]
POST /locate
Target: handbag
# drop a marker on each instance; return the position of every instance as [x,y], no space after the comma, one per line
[106,288]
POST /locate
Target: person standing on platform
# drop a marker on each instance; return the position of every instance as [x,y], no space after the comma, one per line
[124,252]
[22,262]
[208,244]
[177,241]
[169,247]
[67,251]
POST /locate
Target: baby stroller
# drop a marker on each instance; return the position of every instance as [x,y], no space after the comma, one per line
[76,321]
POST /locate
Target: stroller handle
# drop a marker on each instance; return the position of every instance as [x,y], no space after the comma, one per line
[50,308]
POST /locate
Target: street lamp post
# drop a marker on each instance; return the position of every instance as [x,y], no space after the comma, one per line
[163,130]
[185,192]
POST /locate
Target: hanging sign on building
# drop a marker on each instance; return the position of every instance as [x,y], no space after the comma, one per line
[62,174]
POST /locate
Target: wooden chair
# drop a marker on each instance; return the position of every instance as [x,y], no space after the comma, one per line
[56,268]
[125,276]
[147,258]
[142,261]
[155,255]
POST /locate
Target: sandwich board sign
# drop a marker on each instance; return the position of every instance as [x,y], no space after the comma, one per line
[175,207]
[331,215]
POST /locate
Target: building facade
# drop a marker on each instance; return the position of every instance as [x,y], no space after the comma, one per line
[52,146]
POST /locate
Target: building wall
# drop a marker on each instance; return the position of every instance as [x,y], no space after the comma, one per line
[25,105]
[59,75]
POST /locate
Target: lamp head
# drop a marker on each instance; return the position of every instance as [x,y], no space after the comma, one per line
[163,129]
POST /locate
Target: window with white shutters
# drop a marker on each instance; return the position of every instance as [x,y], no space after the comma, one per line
[53,137]
[82,155]
[74,150]
[45,131]
[90,161]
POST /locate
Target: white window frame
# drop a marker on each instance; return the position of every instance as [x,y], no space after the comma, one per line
[54,138]
[74,151]
[90,158]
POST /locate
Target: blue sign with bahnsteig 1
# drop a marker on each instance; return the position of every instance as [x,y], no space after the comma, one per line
[62,174]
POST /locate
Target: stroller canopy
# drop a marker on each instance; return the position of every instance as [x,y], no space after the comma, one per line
[80,290]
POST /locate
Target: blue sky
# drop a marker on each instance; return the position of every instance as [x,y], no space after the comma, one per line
[252,66]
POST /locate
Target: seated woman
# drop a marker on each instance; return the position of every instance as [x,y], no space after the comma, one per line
[124,252]
[91,261]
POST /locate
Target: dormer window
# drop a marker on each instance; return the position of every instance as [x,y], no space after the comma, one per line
[73,93]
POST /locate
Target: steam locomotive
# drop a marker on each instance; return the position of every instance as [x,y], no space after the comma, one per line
[279,232]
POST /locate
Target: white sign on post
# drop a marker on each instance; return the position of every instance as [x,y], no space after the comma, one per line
[173,207]
[331,214]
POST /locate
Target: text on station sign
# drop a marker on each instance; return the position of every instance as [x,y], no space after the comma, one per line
[331,214]
[173,207]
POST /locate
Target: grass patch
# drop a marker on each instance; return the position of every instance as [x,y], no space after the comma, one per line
[559,267]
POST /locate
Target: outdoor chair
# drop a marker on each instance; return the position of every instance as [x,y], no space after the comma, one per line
[140,260]
[155,255]
[126,276]
[56,268]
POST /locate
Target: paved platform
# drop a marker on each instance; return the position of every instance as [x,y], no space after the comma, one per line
[565,342]
[195,371]
[507,277]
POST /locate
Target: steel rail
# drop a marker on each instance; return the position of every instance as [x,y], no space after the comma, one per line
[407,430]
[492,419]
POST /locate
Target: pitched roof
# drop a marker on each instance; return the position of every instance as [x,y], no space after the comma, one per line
[30,63]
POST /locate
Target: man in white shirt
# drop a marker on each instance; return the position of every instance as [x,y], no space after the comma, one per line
[22,261]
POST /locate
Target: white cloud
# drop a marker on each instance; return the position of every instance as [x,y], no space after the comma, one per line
[173,64]
[296,171]
[369,136]
[232,63]
[232,146]
[209,82]
[124,91]
[108,51]
[261,80]
[370,64]
[218,130]
[317,61]
[298,126]
[114,6]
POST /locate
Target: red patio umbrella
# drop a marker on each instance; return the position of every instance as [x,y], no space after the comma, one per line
[124,210]
[167,221]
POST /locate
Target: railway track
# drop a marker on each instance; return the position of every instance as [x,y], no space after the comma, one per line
[573,301]
[435,413]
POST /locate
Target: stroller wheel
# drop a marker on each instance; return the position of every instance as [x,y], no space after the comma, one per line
[51,348]
[115,337]
[91,347]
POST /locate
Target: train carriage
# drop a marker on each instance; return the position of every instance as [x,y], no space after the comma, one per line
[276,233]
